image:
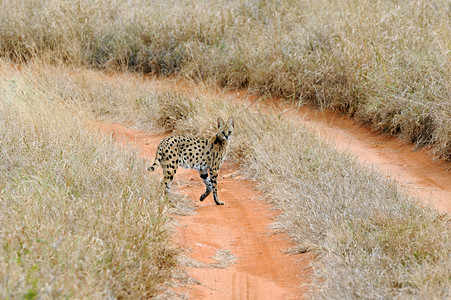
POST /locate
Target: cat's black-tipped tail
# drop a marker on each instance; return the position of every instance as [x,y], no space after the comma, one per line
[153,167]
[156,163]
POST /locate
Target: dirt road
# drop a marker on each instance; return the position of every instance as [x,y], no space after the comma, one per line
[414,170]
[231,252]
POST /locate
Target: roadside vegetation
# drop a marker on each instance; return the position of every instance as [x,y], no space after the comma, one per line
[387,63]
[369,238]
[79,217]
[82,219]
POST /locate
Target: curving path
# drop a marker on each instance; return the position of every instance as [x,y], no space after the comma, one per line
[414,170]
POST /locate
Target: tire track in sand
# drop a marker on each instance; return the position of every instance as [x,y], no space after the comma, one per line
[239,229]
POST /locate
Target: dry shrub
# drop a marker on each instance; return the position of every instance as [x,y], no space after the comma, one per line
[173,109]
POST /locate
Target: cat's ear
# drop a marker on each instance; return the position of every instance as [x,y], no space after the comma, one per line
[220,122]
[231,122]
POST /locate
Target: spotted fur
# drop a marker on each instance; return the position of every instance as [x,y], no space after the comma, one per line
[204,155]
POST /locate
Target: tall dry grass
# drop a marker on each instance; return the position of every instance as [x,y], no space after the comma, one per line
[79,217]
[385,62]
[371,240]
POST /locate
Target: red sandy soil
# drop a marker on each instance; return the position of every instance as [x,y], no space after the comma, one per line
[262,270]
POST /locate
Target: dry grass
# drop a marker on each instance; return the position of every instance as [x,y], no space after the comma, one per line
[371,240]
[79,217]
[386,62]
